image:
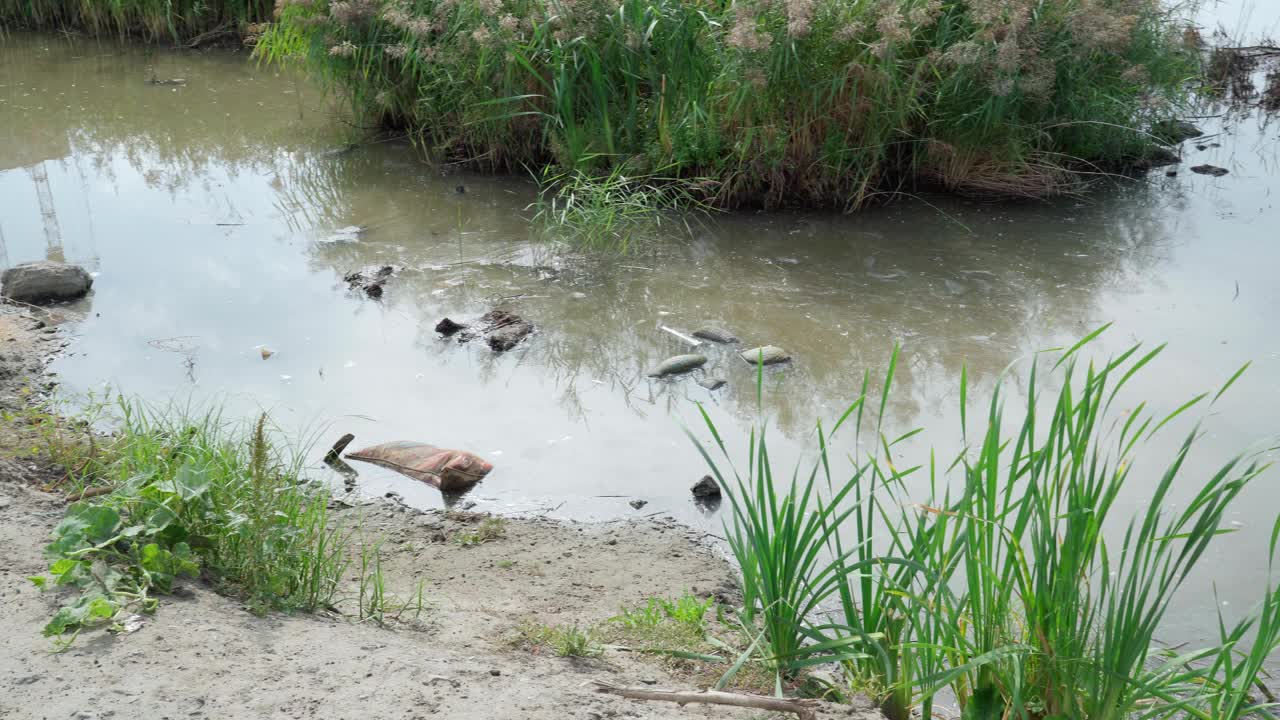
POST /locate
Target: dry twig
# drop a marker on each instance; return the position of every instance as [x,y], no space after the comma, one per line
[802,708]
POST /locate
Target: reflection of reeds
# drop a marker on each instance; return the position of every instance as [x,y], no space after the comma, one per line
[173,20]
[174,136]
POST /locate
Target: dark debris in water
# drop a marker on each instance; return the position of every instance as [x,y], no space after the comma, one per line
[1207,169]
[370,283]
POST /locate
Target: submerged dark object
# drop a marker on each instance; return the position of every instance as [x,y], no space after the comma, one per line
[503,330]
[447,327]
[1175,131]
[1213,170]
[369,283]
[706,487]
[507,336]
[448,470]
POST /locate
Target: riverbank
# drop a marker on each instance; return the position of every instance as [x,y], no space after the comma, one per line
[471,646]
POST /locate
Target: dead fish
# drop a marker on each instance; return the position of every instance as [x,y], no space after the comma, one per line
[765,355]
[678,364]
[715,333]
[449,470]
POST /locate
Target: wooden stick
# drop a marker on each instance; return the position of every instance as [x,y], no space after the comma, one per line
[802,708]
[692,341]
[335,452]
[90,493]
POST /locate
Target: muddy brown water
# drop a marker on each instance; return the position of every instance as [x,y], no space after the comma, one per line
[216,214]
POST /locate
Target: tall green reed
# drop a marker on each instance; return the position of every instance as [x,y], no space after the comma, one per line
[1011,587]
[810,102]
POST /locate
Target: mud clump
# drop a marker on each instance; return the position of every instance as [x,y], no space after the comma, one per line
[501,329]
[369,283]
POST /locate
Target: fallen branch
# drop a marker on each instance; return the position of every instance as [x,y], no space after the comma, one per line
[692,341]
[90,493]
[1254,49]
[203,38]
[67,475]
[335,452]
[802,708]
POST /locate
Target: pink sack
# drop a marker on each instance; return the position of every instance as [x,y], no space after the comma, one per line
[449,470]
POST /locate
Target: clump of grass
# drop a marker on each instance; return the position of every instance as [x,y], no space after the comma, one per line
[563,640]
[194,495]
[374,601]
[687,611]
[1011,586]
[813,102]
[490,528]
[612,210]
[174,20]
[67,443]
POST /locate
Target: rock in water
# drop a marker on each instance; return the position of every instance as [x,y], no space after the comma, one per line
[508,336]
[1213,170]
[1175,131]
[715,333]
[637,504]
[678,364]
[447,327]
[706,487]
[39,282]
[767,355]
[713,383]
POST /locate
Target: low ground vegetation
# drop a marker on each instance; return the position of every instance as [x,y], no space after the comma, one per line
[170,494]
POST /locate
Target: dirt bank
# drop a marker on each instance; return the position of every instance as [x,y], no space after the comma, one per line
[203,655]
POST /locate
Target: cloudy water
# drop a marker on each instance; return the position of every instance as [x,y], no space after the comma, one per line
[220,205]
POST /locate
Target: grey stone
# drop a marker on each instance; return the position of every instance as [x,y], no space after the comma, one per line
[713,383]
[637,504]
[765,355]
[40,282]
[678,364]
